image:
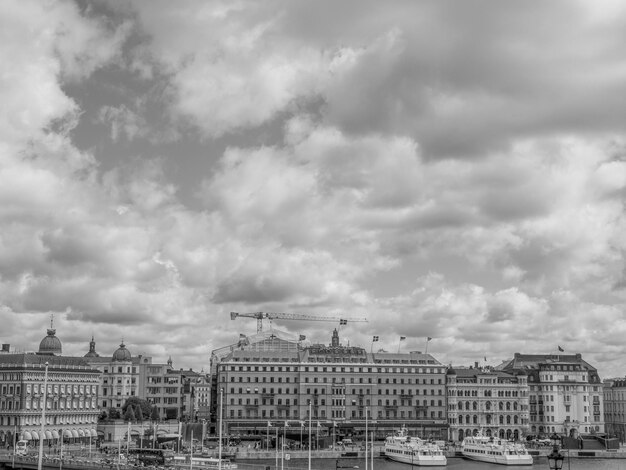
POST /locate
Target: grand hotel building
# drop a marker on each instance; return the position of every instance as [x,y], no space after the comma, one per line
[70,389]
[270,379]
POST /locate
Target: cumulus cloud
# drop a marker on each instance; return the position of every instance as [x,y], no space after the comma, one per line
[446,173]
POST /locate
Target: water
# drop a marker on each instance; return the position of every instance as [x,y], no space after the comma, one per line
[453,464]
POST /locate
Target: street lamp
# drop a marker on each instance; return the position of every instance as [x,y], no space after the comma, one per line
[555,459]
[43,418]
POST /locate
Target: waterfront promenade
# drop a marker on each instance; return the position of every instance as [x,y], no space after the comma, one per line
[75,460]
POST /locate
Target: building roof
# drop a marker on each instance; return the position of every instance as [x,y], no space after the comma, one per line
[530,363]
[31,360]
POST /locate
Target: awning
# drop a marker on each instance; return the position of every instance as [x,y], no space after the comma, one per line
[93,433]
[67,433]
[74,433]
[81,433]
[48,435]
[35,435]
[55,434]
[27,435]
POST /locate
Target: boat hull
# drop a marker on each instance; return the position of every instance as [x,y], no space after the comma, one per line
[437,461]
[516,460]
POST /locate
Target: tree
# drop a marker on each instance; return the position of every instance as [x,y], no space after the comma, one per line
[138,412]
[114,413]
[154,414]
[129,415]
[135,402]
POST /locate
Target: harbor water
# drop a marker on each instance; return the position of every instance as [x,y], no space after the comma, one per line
[455,463]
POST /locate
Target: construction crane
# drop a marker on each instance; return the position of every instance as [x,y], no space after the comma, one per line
[260,316]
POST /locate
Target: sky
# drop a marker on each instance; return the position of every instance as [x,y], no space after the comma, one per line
[452,170]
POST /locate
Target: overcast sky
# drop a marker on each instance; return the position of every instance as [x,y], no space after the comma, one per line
[454,170]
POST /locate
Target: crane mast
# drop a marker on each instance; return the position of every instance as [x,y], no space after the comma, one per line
[260,316]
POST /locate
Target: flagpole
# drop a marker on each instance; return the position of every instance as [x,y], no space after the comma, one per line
[276,448]
[309,434]
[366,413]
[427,341]
[372,451]
[267,441]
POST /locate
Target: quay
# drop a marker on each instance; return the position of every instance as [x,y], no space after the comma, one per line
[30,462]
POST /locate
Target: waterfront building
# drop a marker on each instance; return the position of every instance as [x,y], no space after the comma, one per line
[119,375]
[71,404]
[488,400]
[125,376]
[565,393]
[202,398]
[615,407]
[272,378]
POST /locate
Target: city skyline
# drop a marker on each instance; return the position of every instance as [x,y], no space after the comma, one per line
[445,171]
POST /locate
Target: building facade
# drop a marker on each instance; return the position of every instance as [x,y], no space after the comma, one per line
[565,393]
[71,398]
[615,407]
[487,400]
[270,379]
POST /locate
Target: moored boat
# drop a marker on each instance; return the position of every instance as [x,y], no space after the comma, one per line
[495,450]
[412,450]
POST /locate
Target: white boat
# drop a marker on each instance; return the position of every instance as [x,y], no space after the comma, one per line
[213,462]
[182,462]
[413,450]
[495,450]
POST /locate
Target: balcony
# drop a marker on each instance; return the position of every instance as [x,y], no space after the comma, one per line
[267,395]
[251,405]
[405,396]
[282,407]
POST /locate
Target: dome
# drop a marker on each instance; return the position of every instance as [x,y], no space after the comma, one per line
[122,354]
[450,371]
[50,344]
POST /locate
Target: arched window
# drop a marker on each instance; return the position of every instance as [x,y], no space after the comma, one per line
[508,420]
[508,406]
[515,419]
[475,406]
[501,419]
[475,419]
[488,406]
[460,419]
[515,405]
[501,406]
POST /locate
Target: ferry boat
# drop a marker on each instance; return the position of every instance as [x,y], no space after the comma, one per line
[412,450]
[495,450]
[184,462]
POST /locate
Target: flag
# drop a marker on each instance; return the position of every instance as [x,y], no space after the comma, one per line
[561,349]
[302,338]
[402,338]
[428,339]
[286,424]
[319,425]
[334,424]
[302,423]
[375,338]
[269,424]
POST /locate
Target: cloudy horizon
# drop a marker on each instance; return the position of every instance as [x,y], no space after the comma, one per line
[454,170]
